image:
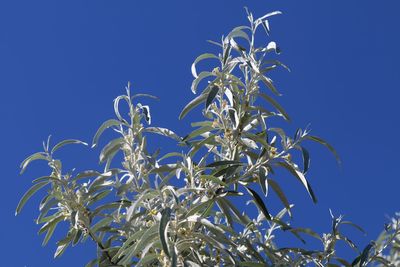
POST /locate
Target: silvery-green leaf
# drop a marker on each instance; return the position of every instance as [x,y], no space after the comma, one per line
[236,46]
[107,124]
[268,82]
[28,160]
[50,227]
[275,105]
[326,144]
[198,132]
[198,59]
[192,104]
[116,106]
[66,142]
[200,77]
[164,132]
[270,15]
[272,46]
[29,194]
[111,148]
[238,33]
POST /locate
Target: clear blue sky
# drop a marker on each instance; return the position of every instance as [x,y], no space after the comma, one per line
[63,62]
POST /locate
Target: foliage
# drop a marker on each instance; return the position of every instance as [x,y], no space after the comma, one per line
[180,209]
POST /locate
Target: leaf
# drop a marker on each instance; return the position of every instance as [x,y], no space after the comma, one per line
[306,159]
[211,95]
[236,46]
[205,222]
[88,173]
[365,253]
[164,132]
[144,95]
[273,47]
[268,82]
[198,59]
[259,203]
[275,105]
[165,217]
[104,222]
[107,124]
[51,226]
[146,112]
[354,225]
[326,144]
[214,179]
[270,15]
[192,104]
[66,142]
[111,148]
[275,186]
[224,162]
[263,181]
[63,244]
[299,175]
[29,194]
[28,160]
[197,132]
[202,75]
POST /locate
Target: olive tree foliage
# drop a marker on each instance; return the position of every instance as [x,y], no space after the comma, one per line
[182,208]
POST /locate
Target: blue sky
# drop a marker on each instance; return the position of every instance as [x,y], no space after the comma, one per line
[63,62]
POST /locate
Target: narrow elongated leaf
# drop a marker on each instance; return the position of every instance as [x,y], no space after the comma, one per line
[107,124]
[276,105]
[268,82]
[200,58]
[163,231]
[263,181]
[205,222]
[259,203]
[104,222]
[224,162]
[299,175]
[164,132]
[213,179]
[111,148]
[275,186]
[51,226]
[29,194]
[67,142]
[202,75]
[306,159]
[270,15]
[326,144]
[192,104]
[28,160]
[197,132]
[211,95]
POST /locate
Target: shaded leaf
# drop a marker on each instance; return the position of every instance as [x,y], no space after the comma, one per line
[211,95]
[163,231]
[259,203]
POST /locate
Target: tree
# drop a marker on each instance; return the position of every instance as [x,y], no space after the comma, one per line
[179,209]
